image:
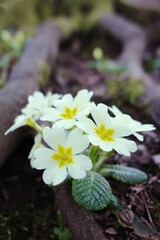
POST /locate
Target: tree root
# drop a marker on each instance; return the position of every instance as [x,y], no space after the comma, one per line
[153,5]
[23,81]
[142,11]
[81,222]
[134,40]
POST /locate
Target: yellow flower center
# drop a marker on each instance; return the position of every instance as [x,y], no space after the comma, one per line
[105,134]
[69,114]
[64,156]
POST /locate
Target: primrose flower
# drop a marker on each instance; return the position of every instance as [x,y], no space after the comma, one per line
[50,98]
[107,132]
[30,113]
[33,110]
[64,155]
[37,144]
[20,121]
[134,125]
[66,110]
[37,102]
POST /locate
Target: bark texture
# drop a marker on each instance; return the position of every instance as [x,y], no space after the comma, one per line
[23,81]
[81,222]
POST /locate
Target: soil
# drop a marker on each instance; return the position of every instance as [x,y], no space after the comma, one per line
[27,205]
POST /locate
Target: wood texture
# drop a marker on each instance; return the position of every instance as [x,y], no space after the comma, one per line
[23,81]
[81,222]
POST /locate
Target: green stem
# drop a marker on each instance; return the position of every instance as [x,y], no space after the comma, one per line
[101,160]
[32,123]
[99,163]
[38,128]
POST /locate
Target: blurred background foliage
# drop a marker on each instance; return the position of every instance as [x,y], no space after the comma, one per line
[69,14]
[21,18]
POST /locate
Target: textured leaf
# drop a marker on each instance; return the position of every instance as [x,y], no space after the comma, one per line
[123,173]
[115,203]
[92,192]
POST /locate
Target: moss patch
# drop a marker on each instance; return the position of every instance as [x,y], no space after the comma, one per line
[125,89]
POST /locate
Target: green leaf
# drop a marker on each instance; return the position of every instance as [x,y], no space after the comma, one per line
[57,230]
[60,220]
[115,203]
[92,192]
[122,173]
[62,232]
[65,235]
[107,65]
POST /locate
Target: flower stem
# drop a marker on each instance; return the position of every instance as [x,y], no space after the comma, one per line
[98,164]
[38,128]
[32,123]
[101,160]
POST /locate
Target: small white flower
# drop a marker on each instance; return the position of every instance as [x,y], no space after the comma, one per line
[33,110]
[50,98]
[37,144]
[134,125]
[19,121]
[107,132]
[22,120]
[38,102]
[68,108]
[64,156]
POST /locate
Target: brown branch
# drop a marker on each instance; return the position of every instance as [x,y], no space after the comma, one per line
[81,222]
[23,82]
[134,40]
